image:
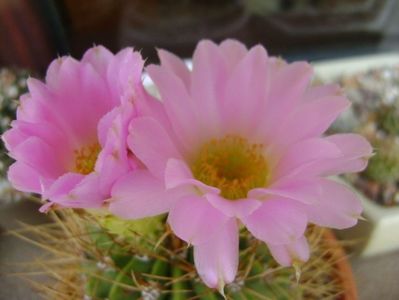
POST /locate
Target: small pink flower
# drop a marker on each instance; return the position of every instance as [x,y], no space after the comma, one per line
[241,141]
[69,139]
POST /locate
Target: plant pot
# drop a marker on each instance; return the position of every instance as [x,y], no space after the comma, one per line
[343,267]
[377,234]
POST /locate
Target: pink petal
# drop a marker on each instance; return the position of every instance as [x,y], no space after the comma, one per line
[87,193]
[53,71]
[149,106]
[178,174]
[100,58]
[124,75]
[138,194]
[237,208]
[312,119]
[209,77]
[33,111]
[64,106]
[296,251]
[113,160]
[277,221]
[39,155]
[339,207]
[63,115]
[45,131]
[352,145]
[304,153]
[111,171]
[13,137]
[233,51]
[298,74]
[306,190]
[355,151]
[321,91]
[46,207]
[33,106]
[24,178]
[249,80]
[178,105]
[105,124]
[176,65]
[194,220]
[151,144]
[282,100]
[61,188]
[98,99]
[76,190]
[63,185]
[112,163]
[217,259]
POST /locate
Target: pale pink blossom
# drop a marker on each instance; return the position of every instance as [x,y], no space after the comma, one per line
[69,138]
[242,143]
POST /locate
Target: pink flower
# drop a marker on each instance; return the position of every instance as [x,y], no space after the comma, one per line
[241,142]
[69,139]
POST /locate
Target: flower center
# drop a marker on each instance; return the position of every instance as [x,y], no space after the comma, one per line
[231,164]
[85,158]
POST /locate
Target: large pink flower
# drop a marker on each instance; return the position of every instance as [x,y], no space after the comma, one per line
[242,141]
[69,139]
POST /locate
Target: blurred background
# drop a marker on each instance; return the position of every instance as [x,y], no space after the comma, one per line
[32,33]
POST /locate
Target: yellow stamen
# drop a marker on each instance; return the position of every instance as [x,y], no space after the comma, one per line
[231,164]
[85,158]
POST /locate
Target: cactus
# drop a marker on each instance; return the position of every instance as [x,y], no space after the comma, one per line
[88,259]
[12,85]
[383,167]
[387,118]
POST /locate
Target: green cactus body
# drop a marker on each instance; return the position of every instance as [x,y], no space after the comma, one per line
[383,167]
[138,268]
[91,259]
[388,119]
